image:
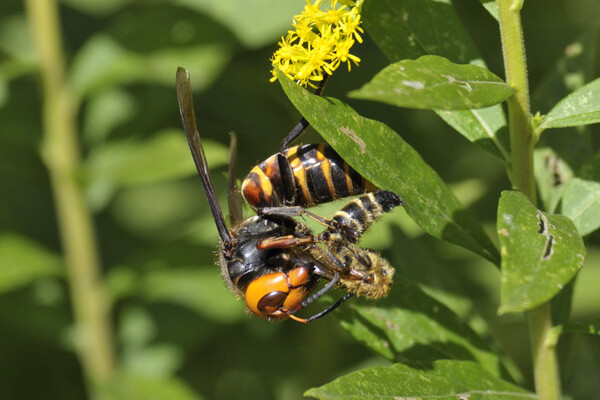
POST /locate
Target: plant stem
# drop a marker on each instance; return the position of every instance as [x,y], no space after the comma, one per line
[60,151]
[521,137]
[545,364]
[543,350]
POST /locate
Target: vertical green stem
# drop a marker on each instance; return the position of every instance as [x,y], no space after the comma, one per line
[61,154]
[522,141]
[521,137]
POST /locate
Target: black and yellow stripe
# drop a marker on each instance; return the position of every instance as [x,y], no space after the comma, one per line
[358,215]
[318,173]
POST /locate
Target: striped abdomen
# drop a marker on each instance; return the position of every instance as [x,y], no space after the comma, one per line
[358,215]
[313,174]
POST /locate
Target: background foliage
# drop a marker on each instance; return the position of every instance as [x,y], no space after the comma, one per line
[179,333]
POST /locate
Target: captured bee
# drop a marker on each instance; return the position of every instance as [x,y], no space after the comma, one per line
[274,261]
[362,272]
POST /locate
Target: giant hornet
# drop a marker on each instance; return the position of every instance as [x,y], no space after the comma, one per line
[271,259]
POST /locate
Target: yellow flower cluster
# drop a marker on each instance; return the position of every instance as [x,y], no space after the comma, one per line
[320,42]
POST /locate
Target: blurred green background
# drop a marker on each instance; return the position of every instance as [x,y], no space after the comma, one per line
[179,333]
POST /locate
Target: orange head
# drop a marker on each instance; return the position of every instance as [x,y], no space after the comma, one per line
[279,294]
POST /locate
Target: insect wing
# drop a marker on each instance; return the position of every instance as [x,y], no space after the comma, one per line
[188,118]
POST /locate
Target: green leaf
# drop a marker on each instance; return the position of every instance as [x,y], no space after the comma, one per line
[541,253]
[380,155]
[102,63]
[490,6]
[139,355]
[255,23]
[97,7]
[162,157]
[569,73]
[200,289]
[129,386]
[106,111]
[435,82]
[413,28]
[582,107]
[449,380]
[552,175]
[15,39]
[23,261]
[591,327]
[410,325]
[580,201]
[485,127]
[17,55]
[572,145]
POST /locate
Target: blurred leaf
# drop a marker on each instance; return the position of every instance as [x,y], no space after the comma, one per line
[143,29]
[412,326]
[98,7]
[161,158]
[255,23]
[136,328]
[17,56]
[200,289]
[104,112]
[569,72]
[247,384]
[132,387]
[440,380]
[379,154]
[4,92]
[561,305]
[414,28]
[584,350]
[585,13]
[15,39]
[164,156]
[552,175]
[136,331]
[591,327]
[435,82]
[541,253]
[582,107]
[103,63]
[161,211]
[23,261]
[585,295]
[572,145]
[159,360]
[580,199]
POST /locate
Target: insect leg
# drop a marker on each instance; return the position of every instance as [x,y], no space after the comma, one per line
[284,242]
[292,211]
[331,256]
[317,295]
[303,124]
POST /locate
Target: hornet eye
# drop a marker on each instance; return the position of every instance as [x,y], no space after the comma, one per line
[272,301]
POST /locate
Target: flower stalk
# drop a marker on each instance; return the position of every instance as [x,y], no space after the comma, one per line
[522,141]
[60,152]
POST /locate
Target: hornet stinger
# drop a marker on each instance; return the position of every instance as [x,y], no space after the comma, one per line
[271,259]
